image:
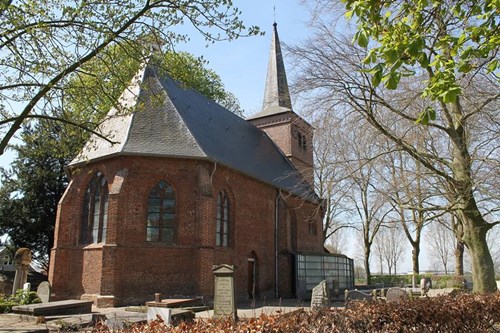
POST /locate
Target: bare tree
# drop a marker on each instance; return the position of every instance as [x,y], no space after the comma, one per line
[334,71]
[390,247]
[410,192]
[441,242]
[369,208]
[330,179]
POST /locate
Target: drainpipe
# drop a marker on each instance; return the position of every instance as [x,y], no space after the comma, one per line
[213,172]
[276,217]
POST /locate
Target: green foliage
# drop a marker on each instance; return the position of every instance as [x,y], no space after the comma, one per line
[438,281]
[21,297]
[441,38]
[392,280]
[33,186]
[44,42]
[91,93]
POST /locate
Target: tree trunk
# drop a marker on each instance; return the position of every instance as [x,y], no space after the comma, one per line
[367,266]
[459,257]
[475,227]
[414,258]
[483,272]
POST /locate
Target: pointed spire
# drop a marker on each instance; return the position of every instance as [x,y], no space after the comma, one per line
[276,94]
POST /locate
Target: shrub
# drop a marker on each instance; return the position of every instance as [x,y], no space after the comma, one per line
[21,297]
[438,281]
[392,280]
[446,314]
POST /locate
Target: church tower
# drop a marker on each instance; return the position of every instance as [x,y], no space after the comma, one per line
[290,132]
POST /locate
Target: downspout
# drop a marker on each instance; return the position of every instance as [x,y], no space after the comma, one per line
[213,172]
[276,217]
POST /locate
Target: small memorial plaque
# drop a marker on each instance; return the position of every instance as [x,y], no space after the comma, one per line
[43,291]
[320,297]
[224,304]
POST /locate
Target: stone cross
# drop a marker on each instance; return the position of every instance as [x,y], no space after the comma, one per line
[22,261]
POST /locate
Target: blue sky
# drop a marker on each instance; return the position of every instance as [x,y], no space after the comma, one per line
[242,63]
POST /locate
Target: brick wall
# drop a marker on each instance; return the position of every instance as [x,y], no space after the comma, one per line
[127,269]
[289,132]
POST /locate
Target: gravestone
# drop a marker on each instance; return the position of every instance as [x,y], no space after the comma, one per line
[395,294]
[22,261]
[224,304]
[356,295]
[320,297]
[43,291]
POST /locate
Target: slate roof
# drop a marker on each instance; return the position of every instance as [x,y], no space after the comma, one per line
[276,94]
[170,121]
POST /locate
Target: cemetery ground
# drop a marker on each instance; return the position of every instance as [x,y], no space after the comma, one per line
[457,312]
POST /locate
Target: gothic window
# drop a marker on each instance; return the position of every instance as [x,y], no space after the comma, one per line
[222,223]
[161,214]
[95,211]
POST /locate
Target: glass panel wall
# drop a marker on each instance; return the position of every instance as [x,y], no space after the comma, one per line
[336,269]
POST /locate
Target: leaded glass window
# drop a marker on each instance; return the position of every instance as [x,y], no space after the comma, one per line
[161,214]
[222,221]
[95,211]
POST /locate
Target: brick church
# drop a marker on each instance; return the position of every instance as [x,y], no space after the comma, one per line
[186,185]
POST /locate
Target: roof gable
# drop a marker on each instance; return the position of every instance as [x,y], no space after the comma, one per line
[171,121]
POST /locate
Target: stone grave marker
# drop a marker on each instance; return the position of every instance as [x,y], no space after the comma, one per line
[22,261]
[224,304]
[320,297]
[394,294]
[43,291]
[356,295]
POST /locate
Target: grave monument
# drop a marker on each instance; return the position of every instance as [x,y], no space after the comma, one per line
[22,261]
[224,304]
[320,297]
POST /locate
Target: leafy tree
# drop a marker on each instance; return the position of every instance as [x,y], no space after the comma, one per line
[430,63]
[32,188]
[447,40]
[43,42]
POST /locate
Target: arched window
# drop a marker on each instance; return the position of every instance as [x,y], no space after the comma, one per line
[222,223]
[95,211]
[161,214]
